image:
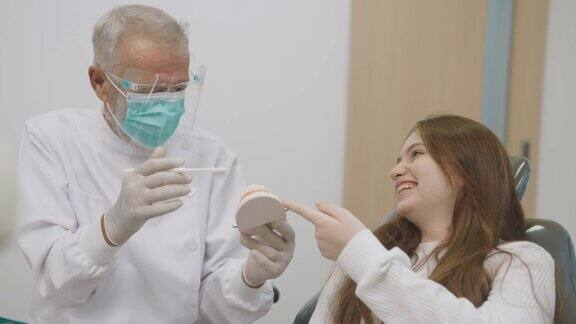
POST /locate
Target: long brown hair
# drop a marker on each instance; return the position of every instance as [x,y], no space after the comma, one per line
[487,211]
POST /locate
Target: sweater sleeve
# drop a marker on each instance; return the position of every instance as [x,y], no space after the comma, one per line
[523,288]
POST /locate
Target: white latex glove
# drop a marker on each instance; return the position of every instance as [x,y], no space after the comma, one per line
[147,192]
[271,250]
[335,226]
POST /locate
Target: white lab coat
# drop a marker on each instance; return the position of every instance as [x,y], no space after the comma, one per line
[183,267]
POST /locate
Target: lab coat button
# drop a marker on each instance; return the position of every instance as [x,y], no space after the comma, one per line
[191,245]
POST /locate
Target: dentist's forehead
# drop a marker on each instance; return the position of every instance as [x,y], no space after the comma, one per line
[155,58]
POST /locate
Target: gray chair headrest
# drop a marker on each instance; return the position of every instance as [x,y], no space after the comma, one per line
[520,167]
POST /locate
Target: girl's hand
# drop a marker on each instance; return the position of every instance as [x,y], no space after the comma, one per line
[335,226]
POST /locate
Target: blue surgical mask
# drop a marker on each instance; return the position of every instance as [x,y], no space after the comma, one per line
[151,118]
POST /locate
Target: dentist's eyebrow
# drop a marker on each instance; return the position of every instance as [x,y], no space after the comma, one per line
[409,149]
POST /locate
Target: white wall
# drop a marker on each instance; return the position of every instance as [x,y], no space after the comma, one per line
[557,167]
[275,68]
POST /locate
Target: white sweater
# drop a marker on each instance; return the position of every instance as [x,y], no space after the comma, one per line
[398,291]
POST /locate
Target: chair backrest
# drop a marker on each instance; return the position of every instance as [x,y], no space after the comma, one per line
[555,239]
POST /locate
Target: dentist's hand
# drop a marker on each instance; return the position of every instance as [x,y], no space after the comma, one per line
[335,226]
[271,250]
[147,192]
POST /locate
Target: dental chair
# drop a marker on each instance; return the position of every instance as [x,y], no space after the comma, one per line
[7,321]
[547,233]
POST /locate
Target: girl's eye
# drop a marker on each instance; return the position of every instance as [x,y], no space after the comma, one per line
[416,153]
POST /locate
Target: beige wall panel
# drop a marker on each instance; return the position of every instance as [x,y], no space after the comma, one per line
[525,90]
[409,59]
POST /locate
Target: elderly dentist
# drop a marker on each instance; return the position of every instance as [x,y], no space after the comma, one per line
[113,228]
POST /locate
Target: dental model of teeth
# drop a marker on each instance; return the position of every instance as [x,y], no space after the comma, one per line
[258,206]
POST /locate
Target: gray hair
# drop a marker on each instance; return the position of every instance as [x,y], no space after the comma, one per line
[134,20]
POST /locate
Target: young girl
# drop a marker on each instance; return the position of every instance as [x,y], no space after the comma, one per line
[455,252]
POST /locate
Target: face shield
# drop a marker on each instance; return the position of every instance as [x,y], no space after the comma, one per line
[150,107]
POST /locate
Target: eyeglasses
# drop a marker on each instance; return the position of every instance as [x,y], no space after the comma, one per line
[146,88]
